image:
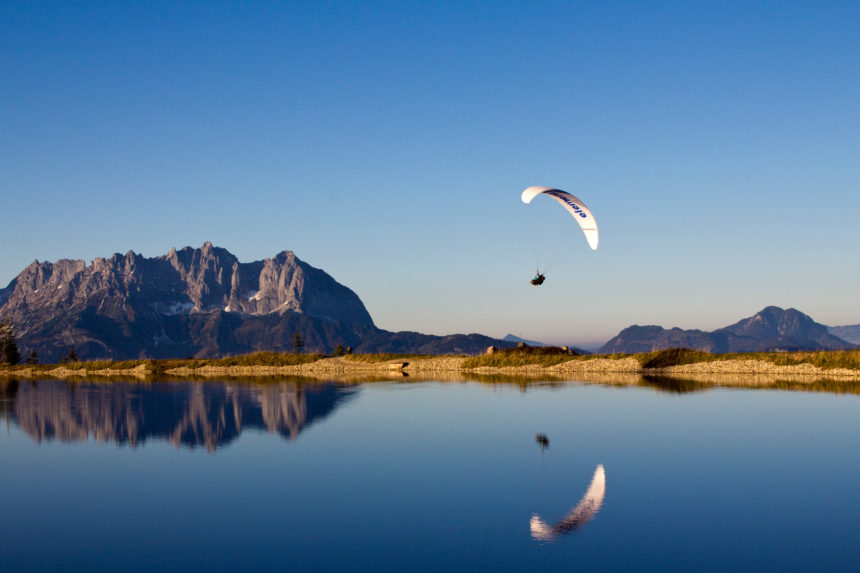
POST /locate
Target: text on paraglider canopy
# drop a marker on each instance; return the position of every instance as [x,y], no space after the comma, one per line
[567,201]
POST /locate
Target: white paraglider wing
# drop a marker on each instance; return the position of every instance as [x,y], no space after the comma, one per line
[573,205]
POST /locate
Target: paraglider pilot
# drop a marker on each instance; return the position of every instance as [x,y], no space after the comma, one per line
[538,280]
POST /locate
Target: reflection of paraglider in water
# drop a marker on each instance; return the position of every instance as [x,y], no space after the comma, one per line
[584,511]
[574,206]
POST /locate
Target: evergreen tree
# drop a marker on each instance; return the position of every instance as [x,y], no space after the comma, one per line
[33,358]
[8,347]
[71,356]
[4,335]
[338,350]
[298,343]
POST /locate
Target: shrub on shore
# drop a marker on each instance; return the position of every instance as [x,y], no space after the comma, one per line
[674,357]
[266,359]
[521,356]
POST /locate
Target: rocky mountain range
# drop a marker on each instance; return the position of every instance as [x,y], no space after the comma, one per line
[771,329]
[204,303]
[197,303]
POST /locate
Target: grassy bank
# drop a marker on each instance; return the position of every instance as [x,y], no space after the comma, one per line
[525,356]
[542,357]
[548,356]
[383,357]
[849,359]
[252,359]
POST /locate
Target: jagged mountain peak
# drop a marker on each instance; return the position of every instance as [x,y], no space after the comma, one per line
[285,255]
[207,252]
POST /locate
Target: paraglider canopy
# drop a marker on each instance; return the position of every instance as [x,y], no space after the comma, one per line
[573,205]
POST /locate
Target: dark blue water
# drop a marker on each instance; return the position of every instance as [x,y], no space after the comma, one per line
[424,477]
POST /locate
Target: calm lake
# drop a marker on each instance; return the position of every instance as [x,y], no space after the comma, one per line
[425,476]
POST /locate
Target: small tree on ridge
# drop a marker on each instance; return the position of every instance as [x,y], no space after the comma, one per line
[71,356]
[8,347]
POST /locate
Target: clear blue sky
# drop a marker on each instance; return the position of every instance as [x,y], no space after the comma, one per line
[717,143]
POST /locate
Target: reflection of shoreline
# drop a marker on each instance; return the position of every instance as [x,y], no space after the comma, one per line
[183,413]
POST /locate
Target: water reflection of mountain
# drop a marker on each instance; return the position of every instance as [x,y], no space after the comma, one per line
[206,414]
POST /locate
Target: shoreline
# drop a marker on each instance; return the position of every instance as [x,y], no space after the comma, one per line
[604,370]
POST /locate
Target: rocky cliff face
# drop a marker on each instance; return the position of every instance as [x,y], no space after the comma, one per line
[213,278]
[770,329]
[175,305]
[183,282]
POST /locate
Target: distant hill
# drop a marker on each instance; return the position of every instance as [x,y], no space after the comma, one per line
[198,302]
[517,340]
[850,333]
[771,329]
